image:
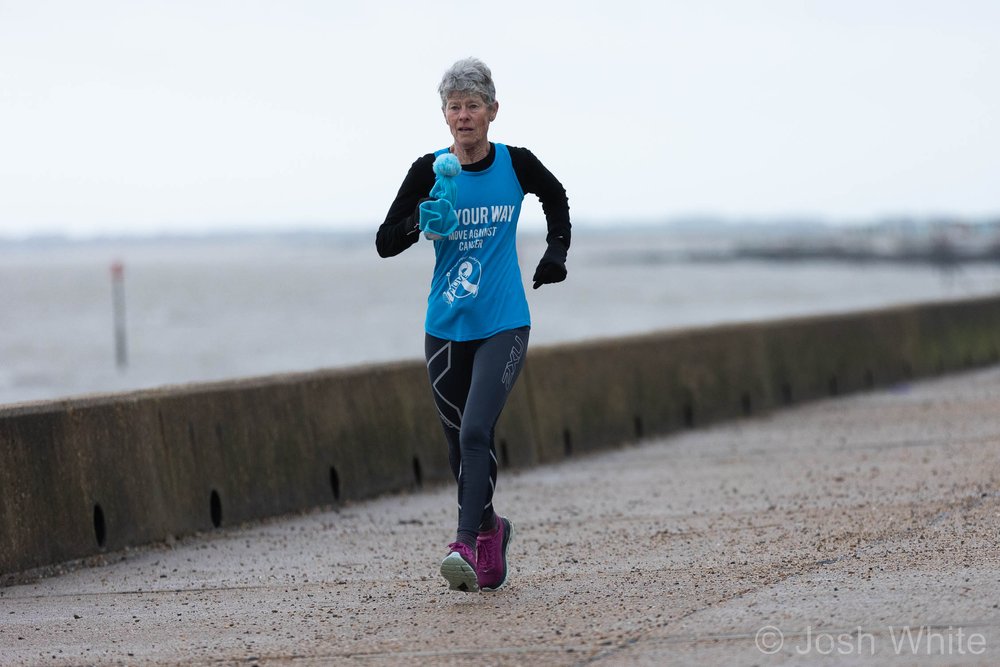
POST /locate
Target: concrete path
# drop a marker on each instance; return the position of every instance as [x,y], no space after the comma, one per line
[862,530]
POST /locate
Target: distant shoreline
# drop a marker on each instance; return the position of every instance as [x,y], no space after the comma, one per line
[794,230]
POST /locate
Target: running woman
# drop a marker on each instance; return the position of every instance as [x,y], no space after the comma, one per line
[477,315]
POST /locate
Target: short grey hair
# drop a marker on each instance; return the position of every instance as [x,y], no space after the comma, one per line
[469,75]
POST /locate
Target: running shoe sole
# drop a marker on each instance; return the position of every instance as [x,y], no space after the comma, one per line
[508,534]
[460,574]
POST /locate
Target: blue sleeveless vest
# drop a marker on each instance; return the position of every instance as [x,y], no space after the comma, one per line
[476,290]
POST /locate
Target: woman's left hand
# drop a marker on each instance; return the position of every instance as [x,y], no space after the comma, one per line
[552,268]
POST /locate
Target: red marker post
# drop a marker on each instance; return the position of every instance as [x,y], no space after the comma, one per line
[118,302]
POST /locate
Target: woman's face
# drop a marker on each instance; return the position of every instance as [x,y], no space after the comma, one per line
[469,118]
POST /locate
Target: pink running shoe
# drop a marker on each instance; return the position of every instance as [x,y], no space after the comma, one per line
[459,568]
[491,551]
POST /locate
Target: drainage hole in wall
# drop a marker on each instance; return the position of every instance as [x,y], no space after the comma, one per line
[100,529]
[746,404]
[786,393]
[833,386]
[687,415]
[637,421]
[504,454]
[418,475]
[215,508]
[335,483]
[567,443]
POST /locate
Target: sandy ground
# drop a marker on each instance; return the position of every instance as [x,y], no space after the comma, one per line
[862,530]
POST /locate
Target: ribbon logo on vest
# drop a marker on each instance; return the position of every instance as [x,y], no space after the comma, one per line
[463,280]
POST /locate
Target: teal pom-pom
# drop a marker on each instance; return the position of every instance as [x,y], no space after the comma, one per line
[447,164]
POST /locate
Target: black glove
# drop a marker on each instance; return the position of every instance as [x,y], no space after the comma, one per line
[552,268]
[413,222]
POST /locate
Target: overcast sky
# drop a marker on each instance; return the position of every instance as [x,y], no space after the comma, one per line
[188,116]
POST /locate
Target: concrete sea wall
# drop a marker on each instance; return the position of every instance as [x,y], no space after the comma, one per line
[97,474]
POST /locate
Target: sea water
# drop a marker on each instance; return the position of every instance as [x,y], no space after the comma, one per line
[223,307]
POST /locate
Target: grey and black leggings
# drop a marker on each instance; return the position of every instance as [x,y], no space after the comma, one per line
[470,382]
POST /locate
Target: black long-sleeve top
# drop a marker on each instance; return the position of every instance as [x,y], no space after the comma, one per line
[400,230]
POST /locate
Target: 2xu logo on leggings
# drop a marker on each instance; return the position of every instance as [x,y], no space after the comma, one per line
[510,370]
